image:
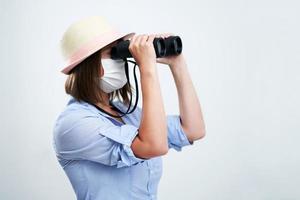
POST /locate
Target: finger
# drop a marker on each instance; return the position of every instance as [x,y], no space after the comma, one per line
[169,34]
[132,40]
[138,40]
[151,38]
[144,39]
[158,35]
[165,35]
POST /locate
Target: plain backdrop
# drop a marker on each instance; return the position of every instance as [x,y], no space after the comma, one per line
[243,58]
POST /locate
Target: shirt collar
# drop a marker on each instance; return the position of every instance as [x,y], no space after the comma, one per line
[117,103]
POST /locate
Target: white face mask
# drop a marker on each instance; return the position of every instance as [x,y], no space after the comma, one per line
[114,75]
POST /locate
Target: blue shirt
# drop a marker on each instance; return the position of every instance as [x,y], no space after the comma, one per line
[94,151]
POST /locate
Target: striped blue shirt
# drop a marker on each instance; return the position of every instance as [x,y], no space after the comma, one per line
[94,151]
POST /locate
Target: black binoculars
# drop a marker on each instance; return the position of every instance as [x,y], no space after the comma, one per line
[171,45]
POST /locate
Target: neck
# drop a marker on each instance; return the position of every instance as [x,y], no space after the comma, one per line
[105,102]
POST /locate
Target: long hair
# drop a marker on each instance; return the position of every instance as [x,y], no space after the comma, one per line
[83,82]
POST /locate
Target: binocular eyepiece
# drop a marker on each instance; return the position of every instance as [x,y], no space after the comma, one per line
[171,45]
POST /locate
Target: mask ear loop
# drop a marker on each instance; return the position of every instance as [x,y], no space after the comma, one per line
[136,86]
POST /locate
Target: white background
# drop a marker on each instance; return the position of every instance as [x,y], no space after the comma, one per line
[243,58]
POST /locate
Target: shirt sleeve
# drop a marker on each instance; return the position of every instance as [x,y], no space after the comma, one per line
[92,138]
[177,138]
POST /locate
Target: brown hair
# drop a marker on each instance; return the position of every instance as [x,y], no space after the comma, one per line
[83,82]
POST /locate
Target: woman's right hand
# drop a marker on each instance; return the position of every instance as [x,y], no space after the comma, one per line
[142,50]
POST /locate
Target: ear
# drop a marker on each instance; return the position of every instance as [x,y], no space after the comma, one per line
[101,71]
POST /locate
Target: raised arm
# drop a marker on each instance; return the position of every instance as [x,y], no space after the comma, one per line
[190,110]
[152,138]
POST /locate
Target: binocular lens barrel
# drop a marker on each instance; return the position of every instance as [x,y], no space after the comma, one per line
[171,45]
[159,46]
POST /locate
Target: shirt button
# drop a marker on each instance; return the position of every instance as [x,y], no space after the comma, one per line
[151,171]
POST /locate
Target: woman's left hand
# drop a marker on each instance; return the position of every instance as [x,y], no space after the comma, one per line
[168,60]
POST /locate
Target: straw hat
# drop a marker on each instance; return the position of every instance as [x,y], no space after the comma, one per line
[85,37]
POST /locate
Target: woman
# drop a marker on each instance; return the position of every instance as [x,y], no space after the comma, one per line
[106,156]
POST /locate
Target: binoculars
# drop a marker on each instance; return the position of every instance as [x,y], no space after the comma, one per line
[171,45]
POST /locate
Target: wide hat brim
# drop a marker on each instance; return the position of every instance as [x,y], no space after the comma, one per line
[93,46]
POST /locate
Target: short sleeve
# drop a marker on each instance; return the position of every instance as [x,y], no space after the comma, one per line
[177,138]
[92,138]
